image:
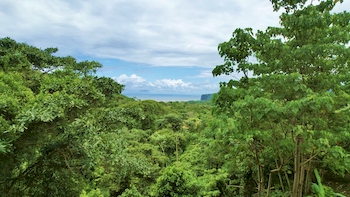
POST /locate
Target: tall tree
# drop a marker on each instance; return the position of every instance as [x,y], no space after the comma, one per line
[287,110]
[52,141]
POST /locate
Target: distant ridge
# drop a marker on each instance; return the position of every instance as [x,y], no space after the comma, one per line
[206,97]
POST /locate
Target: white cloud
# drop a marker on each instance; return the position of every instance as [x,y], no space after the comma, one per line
[157,32]
[204,74]
[171,83]
[136,83]
[133,80]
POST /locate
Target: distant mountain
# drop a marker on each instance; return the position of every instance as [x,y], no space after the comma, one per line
[206,97]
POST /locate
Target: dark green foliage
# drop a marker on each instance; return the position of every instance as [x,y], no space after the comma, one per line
[146,112]
[108,86]
[172,121]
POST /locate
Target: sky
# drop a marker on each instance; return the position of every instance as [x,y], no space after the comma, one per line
[151,46]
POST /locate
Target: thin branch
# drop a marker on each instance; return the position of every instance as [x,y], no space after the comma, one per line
[234,76]
[279,174]
[236,186]
[269,184]
[65,160]
[305,162]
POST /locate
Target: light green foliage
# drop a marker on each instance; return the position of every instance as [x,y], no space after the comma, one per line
[62,125]
[13,92]
[142,145]
[321,190]
[132,192]
[284,116]
[66,132]
[92,193]
[175,182]
[193,158]
[215,183]
[318,188]
[165,139]
[43,100]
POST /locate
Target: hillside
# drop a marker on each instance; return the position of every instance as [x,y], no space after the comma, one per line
[206,97]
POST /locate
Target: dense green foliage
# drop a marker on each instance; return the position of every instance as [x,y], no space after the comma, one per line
[66,132]
[288,117]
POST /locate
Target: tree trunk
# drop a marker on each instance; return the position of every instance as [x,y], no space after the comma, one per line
[307,188]
[299,171]
[261,181]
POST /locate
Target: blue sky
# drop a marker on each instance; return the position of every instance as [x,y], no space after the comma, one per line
[151,46]
[150,79]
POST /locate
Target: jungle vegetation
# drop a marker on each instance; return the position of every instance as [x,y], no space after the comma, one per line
[280,130]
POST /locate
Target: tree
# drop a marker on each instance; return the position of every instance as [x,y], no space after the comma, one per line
[284,115]
[108,86]
[175,182]
[52,141]
[132,192]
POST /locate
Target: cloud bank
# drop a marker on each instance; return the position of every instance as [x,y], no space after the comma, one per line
[157,32]
[131,34]
[138,84]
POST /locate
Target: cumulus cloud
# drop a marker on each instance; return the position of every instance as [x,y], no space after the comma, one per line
[132,79]
[171,83]
[135,83]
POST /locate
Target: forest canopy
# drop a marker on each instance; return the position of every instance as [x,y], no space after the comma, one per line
[280,130]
